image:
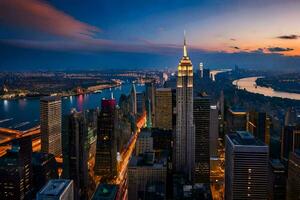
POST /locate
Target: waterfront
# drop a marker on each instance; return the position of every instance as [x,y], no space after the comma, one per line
[249,84]
[23,113]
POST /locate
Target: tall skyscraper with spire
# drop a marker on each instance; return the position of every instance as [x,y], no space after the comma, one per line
[185,138]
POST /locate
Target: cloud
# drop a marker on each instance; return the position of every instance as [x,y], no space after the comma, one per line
[289,37]
[235,47]
[278,49]
[232,39]
[42,17]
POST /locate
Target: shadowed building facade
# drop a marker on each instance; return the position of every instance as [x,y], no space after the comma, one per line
[202,157]
[106,149]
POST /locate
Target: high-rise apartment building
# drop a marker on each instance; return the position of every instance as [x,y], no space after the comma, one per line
[164,108]
[184,138]
[106,148]
[246,167]
[50,118]
[202,156]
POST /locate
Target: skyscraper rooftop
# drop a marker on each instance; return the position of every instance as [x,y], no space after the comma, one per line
[245,138]
[55,187]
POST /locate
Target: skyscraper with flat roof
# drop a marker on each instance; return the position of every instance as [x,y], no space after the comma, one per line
[236,119]
[57,189]
[16,170]
[246,167]
[184,138]
[50,118]
[150,95]
[202,157]
[293,182]
[164,108]
[75,153]
[106,148]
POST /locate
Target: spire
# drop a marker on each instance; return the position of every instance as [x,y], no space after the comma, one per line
[184,46]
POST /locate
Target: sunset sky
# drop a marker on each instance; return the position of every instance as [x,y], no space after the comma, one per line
[93,34]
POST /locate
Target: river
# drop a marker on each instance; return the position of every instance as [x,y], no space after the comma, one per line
[249,85]
[24,113]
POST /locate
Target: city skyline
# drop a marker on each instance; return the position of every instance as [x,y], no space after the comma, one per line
[146,100]
[55,35]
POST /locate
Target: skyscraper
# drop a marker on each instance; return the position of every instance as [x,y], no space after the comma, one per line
[257,125]
[106,148]
[164,109]
[57,189]
[44,168]
[290,141]
[184,138]
[50,118]
[150,94]
[277,180]
[246,167]
[75,154]
[213,131]
[202,157]
[140,102]
[16,170]
[133,103]
[236,119]
[293,182]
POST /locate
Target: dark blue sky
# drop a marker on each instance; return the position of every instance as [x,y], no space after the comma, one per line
[98,34]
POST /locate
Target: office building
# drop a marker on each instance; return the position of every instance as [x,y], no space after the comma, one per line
[144,142]
[140,102]
[150,95]
[184,137]
[162,139]
[290,141]
[246,167]
[57,189]
[107,192]
[145,171]
[75,154]
[277,180]
[213,131]
[164,108]
[44,168]
[236,119]
[293,181]
[16,170]
[50,118]
[133,100]
[257,125]
[106,149]
[202,156]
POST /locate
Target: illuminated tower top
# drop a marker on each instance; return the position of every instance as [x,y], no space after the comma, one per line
[184,46]
[185,67]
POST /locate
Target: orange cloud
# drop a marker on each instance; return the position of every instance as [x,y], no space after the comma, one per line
[42,17]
